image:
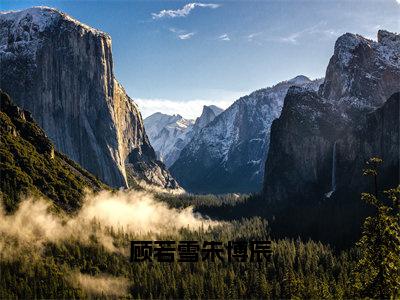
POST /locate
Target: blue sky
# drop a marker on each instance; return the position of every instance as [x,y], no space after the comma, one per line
[173,56]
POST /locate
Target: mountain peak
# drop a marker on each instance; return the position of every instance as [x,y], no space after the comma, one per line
[389,38]
[38,18]
[209,113]
[215,109]
[300,79]
[346,44]
[371,58]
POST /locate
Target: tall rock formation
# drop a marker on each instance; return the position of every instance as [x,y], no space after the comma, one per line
[170,134]
[350,118]
[209,113]
[62,71]
[228,155]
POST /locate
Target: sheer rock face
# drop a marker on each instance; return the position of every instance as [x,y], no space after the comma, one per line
[351,110]
[62,71]
[379,137]
[228,155]
[362,74]
[208,115]
[301,140]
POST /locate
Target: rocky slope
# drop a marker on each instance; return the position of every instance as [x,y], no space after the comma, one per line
[62,71]
[321,141]
[228,155]
[30,164]
[170,134]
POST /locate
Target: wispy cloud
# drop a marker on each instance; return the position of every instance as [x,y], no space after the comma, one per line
[186,36]
[182,34]
[224,37]
[251,36]
[318,29]
[292,38]
[182,12]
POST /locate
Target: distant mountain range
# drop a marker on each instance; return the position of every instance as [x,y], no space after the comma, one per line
[229,154]
[170,134]
[62,71]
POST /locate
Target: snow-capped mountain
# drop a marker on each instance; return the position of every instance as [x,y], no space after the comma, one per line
[228,155]
[208,115]
[62,71]
[170,134]
[362,74]
[321,141]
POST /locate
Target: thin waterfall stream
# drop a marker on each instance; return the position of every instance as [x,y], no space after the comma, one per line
[333,187]
[333,173]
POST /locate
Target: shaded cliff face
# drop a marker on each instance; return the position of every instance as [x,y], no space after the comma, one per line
[379,137]
[301,145]
[62,71]
[303,159]
[228,155]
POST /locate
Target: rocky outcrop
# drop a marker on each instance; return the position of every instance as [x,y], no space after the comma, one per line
[228,155]
[62,71]
[326,138]
[362,74]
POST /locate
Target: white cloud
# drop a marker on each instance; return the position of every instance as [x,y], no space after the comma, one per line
[189,109]
[251,36]
[292,38]
[317,29]
[183,12]
[182,34]
[186,36]
[175,30]
[224,37]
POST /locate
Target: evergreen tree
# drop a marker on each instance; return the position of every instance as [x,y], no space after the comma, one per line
[378,271]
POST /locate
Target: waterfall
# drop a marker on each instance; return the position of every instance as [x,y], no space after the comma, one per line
[333,187]
[333,172]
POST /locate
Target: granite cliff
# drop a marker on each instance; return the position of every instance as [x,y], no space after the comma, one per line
[322,140]
[62,71]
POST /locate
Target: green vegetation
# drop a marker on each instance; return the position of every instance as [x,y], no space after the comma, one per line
[30,165]
[378,270]
[298,269]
